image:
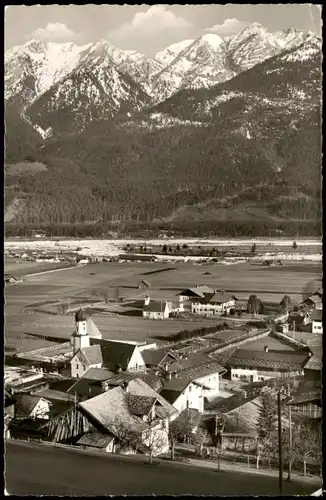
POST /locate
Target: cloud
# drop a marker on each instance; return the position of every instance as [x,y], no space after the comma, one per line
[156,20]
[54,32]
[228,27]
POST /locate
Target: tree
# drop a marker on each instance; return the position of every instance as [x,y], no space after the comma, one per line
[294,245]
[155,440]
[285,303]
[164,249]
[308,289]
[199,438]
[307,443]
[174,435]
[253,248]
[255,305]
[266,427]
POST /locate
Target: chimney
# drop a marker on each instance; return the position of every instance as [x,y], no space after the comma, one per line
[266,348]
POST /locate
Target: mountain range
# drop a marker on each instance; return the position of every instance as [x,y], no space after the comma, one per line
[180,136]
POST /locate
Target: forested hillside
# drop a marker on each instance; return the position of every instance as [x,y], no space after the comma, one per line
[250,150]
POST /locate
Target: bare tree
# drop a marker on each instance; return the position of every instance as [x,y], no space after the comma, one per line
[155,439]
[307,443]
[200,438]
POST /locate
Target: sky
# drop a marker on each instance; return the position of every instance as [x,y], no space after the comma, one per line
[149,29]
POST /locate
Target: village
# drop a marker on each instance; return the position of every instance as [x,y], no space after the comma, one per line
[201,393]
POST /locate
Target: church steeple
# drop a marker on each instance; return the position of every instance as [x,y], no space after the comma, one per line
[80,338]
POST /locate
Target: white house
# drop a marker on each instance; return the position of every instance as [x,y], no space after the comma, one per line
[205,301]
[31,407]
[157,310]
[182,394]
[317,321]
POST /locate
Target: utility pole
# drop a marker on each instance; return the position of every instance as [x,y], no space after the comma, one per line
[290,438]
[280,454]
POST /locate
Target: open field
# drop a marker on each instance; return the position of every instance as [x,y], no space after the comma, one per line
[270,284]
[22,268]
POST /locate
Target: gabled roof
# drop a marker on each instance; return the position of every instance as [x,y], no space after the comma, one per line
[25,405]
[98,374]
[111,411]
[93,354]
[204,371]
[153,357]
[198,291]
[86,388]
[95,439]
[157,306]
[115,354]
[194,360]
[140,405]
[138,387]
[316,299]
[283,360]
[173,388]
[309,397]
[317,315]
[221,298]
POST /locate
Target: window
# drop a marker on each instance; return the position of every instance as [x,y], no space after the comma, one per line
[84,368]
[76,366]
[190,388]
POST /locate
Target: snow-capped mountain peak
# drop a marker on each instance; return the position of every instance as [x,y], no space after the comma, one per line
[215,41]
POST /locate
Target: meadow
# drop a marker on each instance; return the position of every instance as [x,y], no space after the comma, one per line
[84,282]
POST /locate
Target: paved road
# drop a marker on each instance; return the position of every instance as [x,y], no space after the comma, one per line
[33,469]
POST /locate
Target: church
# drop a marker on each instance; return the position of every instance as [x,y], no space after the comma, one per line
[86,349]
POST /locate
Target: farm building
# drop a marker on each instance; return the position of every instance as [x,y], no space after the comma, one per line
[98,441]
[307,404]
[157,310]
[317,321]
[203,300]
[299,320]
[9,279]
[258,365]
[144,284]
[314,365]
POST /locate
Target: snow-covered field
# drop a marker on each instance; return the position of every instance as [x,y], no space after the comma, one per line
[115,247]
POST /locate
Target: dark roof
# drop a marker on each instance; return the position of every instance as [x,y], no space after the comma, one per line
[283,360]
[25,404]
[157,306]
[98,374]
[198,291]
[203,370]
[147,283]
[221,298]
[173,388]
[96,439]
[57,407]
[155,357]
[80,315]
[140,405]
[317,315]
[86,388]
[115,354]
[296,318]
[227,405]
[154,381]
[194,360]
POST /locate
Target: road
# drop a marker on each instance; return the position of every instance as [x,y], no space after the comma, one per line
[34,469]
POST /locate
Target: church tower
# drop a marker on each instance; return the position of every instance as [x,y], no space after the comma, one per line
[80,337]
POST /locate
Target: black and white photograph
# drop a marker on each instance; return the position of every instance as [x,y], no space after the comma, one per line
[163,287]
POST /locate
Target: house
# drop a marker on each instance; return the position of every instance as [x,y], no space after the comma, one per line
[219,303]
[157,310]
[201,370]
[157,358]
[204,300]
[299,320]
[138,411]
[183,393]
[10,279]
[259,365]
[313,367]
[107,354]
[314,302]
[31,407]
[317,321]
